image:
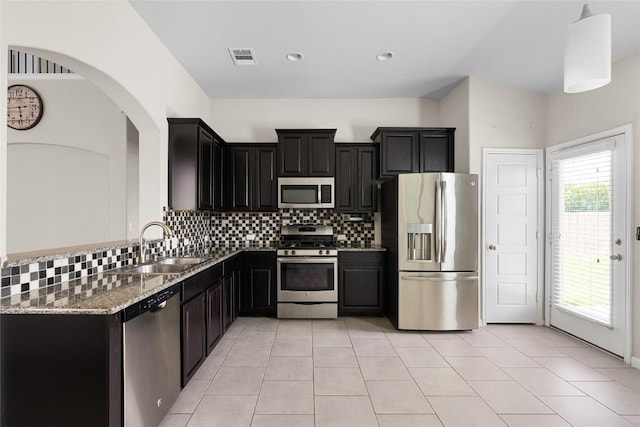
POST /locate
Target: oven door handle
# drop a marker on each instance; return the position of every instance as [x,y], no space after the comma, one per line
[308,260]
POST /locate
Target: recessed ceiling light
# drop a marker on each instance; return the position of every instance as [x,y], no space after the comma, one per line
[294,56]
[384,56]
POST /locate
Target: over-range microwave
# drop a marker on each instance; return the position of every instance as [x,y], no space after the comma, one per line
[308,192]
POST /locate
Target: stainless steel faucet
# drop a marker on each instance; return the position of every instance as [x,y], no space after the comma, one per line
[143,251]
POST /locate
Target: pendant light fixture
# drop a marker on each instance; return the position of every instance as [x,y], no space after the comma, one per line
[587,54]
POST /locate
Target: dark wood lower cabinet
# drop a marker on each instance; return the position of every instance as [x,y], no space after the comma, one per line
[203,321]
[193,336]
[258,287]
[233,273]
[215,327]
[361,288]
[61,370]
[227,303]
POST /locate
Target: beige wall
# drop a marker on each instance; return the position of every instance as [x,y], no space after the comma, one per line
[254,120]
[574,116]
[66,177]
[454,112]
[110,45]
[503,117]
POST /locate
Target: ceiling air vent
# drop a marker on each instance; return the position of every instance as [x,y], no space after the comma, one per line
[243,56]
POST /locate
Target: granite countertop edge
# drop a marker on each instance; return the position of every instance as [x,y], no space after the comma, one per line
[120,304]
[83,307]
[372,248]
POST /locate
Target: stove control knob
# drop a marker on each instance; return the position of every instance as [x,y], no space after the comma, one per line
[286,252]
[293,252]
[320,251]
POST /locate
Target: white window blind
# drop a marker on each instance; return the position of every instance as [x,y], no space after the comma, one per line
[581,274]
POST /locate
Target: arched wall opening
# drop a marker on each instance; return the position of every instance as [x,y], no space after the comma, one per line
[138,126]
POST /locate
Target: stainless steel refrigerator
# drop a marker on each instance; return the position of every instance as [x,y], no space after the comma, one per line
[430,229]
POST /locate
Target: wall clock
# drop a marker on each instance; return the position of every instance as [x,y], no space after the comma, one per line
[24,107]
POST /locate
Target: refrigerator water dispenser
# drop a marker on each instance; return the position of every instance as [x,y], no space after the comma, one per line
[419,242]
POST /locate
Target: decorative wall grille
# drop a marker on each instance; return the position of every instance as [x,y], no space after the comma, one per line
[24,63]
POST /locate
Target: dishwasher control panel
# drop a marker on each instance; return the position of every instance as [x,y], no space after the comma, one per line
[150,303]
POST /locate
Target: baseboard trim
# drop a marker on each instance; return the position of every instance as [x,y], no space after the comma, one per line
[635,362]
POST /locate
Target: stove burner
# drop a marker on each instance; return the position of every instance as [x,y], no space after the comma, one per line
[306,236]
[303,245]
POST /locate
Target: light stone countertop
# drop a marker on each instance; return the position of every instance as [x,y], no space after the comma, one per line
[364,248]
[108,293]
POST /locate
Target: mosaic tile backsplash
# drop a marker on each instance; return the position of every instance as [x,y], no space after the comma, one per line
[231,228]
[193,230]
[27,277]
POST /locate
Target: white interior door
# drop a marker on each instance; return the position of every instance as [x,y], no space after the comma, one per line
[512,268]
[588,240]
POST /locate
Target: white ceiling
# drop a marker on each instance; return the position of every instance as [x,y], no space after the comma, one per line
[435,44]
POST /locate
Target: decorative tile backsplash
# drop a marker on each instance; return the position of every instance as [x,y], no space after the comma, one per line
[232,228]
[193,231]
[22,278]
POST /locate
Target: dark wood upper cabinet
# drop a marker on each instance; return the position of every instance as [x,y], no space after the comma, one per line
[399,153]
[293,154]
[218,173]
[205,170]
[240,176]
[356,177]
[196,166]
[367,181]
[306,152]
[252,177]
[436,151]
[345,178]
[411,150]
[265,196]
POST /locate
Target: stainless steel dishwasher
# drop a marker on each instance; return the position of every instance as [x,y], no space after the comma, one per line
[151,336]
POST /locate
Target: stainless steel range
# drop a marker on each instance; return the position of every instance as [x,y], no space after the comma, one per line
[307,272]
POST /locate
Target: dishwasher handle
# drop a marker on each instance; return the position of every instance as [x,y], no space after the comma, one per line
[158,307]
[151,304]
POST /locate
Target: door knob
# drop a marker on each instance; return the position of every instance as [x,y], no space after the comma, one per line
[616,257]
[492,247]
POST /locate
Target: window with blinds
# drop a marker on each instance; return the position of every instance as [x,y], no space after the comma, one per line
[581,273]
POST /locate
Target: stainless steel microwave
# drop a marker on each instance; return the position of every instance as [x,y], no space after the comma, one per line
[309,192]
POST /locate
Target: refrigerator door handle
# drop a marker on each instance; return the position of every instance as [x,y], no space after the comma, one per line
[443,250]
[440,279]
[438,221]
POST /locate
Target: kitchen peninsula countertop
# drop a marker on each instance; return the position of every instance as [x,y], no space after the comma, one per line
[108,293]
[360,247]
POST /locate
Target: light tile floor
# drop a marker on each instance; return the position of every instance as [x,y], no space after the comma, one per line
[362,372]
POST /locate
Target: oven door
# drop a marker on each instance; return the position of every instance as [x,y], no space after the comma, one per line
[307,279]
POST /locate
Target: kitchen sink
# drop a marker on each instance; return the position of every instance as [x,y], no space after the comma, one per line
[163,266]
[182,261]
[153,269]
